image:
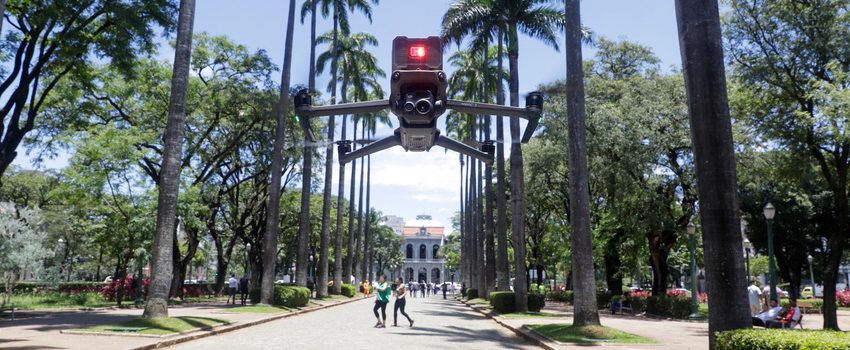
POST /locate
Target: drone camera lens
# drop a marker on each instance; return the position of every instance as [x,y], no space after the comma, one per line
[409,107]
[423,106]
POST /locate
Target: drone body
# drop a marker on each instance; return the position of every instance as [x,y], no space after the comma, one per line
[418,98]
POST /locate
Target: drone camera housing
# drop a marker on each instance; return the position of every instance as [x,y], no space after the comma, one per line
[418,89]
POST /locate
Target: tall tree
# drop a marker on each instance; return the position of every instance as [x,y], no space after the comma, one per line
[273,215]
[714,155]
[169,185]
[52,40]
[790,61]
[584,281]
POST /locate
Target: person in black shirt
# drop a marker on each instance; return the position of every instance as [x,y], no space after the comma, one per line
[244,287]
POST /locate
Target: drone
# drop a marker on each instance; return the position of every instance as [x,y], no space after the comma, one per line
[418,98]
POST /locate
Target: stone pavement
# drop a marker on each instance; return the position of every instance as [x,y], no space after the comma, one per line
[44,331]
[439,324]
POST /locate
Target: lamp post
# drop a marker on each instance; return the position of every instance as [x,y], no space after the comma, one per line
[769,214]
[692,229]
[812,275]
[248,260]
[313,272]
[64,257]
[748,247]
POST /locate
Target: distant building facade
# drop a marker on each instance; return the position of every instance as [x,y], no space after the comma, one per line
[423,239]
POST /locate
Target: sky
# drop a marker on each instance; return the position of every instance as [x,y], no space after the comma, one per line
[408,184]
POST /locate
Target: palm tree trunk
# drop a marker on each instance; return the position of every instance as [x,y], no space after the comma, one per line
[503,270]
[714,154]
[517,183]
[2,13]
[479,228]
[581,237]
[352,242]
[463,252]
[360,238]
[367,230]
[169,184]
[340,206]
[489,244]
[301,260]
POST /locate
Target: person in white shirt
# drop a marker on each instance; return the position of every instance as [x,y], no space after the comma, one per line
[232,285]
[400,302]
[770,314]
[754,294]
[786,319]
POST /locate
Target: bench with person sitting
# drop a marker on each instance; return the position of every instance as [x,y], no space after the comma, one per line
[623,303]
[778,317]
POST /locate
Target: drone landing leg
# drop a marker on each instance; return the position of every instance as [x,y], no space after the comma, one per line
[377,146]
[454,145]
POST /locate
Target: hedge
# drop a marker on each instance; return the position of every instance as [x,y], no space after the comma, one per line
[471,293]
[349,290]
[561,296]
[291,296]
[504,302]
[817,304]
[603,300]
[769,339]
[674,307]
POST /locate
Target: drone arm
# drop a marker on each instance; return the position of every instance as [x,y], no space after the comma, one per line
[310,111]
[530,112]
[461,148]
[377,146]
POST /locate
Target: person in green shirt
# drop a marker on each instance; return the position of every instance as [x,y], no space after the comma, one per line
[382,298]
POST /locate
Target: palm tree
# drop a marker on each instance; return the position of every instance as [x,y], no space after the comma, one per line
[370,125]
[169,184]
[711,130]
[585,306]
[273,211]
[340,17]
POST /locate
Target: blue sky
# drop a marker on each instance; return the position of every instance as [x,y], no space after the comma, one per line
[413,183]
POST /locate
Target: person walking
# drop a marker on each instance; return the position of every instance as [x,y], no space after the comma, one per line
[444,290]
[400,302]
[232,284]
[422,288]
[754,294]
[382,298]
[244,287]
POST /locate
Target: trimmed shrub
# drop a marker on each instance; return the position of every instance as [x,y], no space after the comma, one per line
[638,304]
[471,293]
[678,307]
[536,301]
[561,296]
[768,339]
[502,302]
[603,299]
[290,296]
[349,290]
[254,295]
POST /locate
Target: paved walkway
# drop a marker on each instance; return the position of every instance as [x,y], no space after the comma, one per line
[44,330]
[439,324]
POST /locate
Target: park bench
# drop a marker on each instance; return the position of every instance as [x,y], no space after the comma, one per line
[628,307]
[805,307]
[125,329]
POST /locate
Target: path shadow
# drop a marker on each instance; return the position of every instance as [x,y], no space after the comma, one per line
[68,320]
[465,335]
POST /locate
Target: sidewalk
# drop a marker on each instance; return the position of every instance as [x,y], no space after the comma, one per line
[670,334]
[45,331]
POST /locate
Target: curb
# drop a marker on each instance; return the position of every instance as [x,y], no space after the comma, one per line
[229,328]
[524,332]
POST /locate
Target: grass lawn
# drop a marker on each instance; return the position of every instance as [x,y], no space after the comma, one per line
[530,314]
[58,301]
[257,309]
[478,301]
[703,311]
[160,326]
[567,333]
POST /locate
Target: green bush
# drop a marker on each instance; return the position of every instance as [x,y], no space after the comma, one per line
[561,296]
[638,304]
[603,299]
[502,302]
[769,339]
[291,296]
[349,290]
[254,295]
[536,301]
[678,307]
[471,293]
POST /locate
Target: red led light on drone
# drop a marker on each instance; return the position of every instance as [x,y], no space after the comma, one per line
[416,52]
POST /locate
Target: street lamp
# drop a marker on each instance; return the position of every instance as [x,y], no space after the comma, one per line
[692,229]
[812,275]
[64,257]
[748,247]
[313,269]
[248,260]
[769,214]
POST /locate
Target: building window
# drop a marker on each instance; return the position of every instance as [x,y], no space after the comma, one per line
[423,253]
[436,250]
[409,252]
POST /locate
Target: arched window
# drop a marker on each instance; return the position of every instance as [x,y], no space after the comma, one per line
[409,251]
[435,275]
[436,250]
[423,252]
